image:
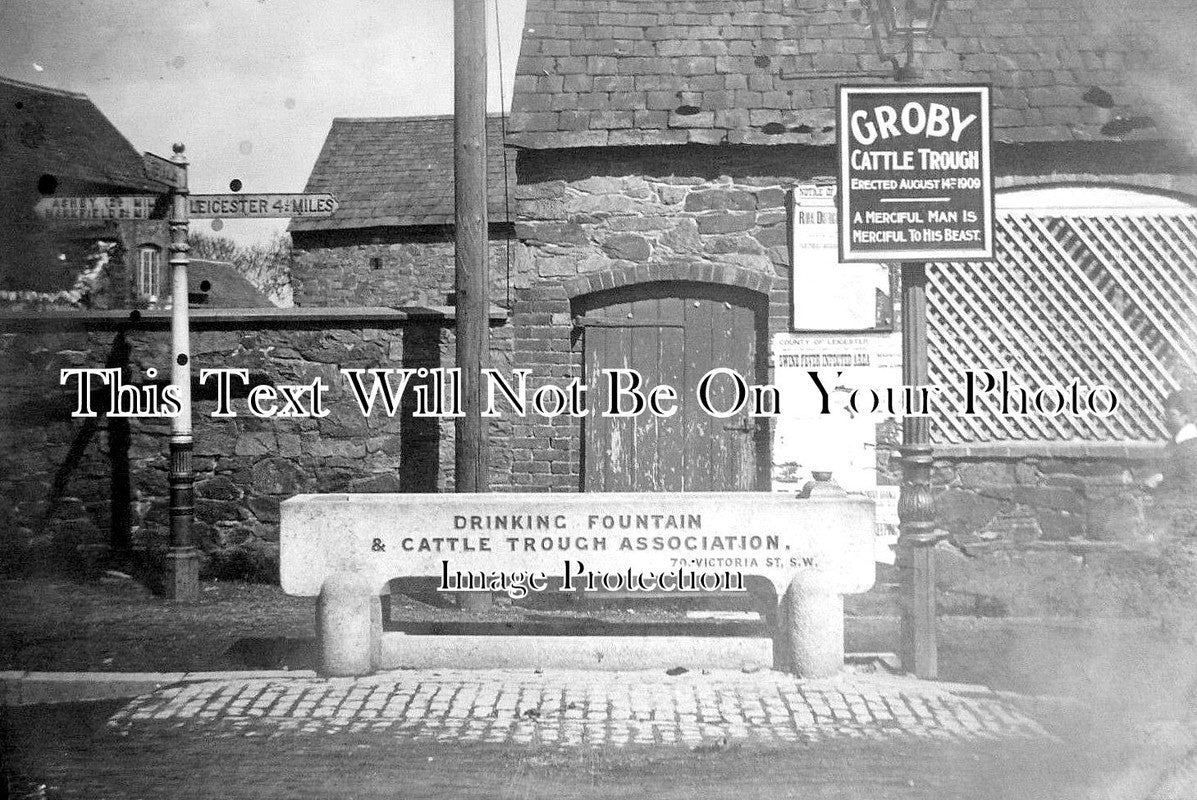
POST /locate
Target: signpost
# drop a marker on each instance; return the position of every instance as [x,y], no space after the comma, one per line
[915,185]
[164,171]
[182,561]
[181,578]
[199,206]
[260,206]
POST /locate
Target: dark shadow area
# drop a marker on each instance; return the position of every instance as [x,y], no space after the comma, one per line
[415,606]
[804,161]
[63,719]
[419,437]
[119,440]
[540,625]
[272,652]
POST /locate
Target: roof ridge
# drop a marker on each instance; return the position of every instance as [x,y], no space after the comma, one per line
[46,89]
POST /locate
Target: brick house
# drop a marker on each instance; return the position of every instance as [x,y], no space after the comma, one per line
[54,142]
[390,242]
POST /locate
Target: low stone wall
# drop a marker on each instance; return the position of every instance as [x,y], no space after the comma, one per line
[67,483]
[1045,491]
[1030,524]
[1052,529]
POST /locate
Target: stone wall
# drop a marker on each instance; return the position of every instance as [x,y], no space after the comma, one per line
[600,219]
[1052,529]
[69,482]
[1045,492]
[590,220]
[388,267]
[594,219]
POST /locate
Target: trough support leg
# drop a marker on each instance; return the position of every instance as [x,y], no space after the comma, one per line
[809,630]
[348,623]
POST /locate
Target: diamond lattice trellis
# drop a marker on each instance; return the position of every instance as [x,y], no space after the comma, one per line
[1106,299]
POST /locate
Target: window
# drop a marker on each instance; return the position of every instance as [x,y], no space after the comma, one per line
[149,272]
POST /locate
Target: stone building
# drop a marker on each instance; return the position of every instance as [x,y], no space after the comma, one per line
[58,143]
[661,146]
[390,242]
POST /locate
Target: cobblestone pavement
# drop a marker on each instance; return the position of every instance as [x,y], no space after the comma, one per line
[566,709]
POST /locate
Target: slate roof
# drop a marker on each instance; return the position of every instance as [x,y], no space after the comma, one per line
[398,171]
[47,131]
[627,72]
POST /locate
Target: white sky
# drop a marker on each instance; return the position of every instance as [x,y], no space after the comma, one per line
[250,86]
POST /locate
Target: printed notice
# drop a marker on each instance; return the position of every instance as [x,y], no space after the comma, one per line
[842,442]
[828,295]
[915,174]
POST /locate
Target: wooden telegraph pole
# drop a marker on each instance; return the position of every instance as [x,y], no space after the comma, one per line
[182,566]
[472,281]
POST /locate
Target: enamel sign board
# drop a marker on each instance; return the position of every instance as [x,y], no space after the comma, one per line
[915,174]
[260,206]
[113,207]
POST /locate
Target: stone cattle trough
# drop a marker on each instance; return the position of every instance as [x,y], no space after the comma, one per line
[798,554]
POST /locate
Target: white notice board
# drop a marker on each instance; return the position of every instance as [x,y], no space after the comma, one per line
[828,295]
[842,442]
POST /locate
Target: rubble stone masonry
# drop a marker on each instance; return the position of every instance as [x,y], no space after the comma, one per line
[67,482]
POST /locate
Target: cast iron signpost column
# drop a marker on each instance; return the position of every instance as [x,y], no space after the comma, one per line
[182,565]
[915,185]
[180,579]
[916,507]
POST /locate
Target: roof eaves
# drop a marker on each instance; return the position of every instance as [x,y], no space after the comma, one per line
[33,87]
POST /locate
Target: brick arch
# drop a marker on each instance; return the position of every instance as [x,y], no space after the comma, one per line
[699,272]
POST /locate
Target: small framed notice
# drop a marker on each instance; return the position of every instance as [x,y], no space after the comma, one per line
[828,295]
[916,182]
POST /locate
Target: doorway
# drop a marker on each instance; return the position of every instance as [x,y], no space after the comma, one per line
[674,332]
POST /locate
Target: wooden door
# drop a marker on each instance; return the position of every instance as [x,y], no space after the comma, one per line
[672,333]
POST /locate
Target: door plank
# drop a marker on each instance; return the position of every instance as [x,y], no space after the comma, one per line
[595,428]
[644,359]
[674,340]
[699,474]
